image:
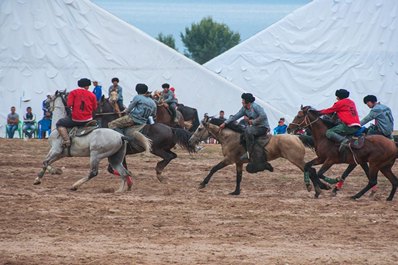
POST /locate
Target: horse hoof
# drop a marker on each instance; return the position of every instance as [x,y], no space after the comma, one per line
[202,186]
[316,196]
[354,198]
[235,193]
[334,192]
[73,189]
[129,187]
[309,187]
[37,182]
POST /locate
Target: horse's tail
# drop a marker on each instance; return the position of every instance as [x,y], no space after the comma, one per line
[139,141]
[182,138]
[307,140]
[195,122]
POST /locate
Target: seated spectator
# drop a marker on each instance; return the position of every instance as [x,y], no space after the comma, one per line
[221,115]
[44,125]
[12,123]
[29,123]
[281,128]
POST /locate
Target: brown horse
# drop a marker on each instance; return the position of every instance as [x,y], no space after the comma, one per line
[283,145]
[163,115]
[379,151]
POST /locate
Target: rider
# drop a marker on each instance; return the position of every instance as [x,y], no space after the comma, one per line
[347,112]
[384,122]
[139,110]
[254,115]
[83,103]
[168,97]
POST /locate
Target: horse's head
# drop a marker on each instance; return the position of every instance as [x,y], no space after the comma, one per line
[113,96]
[61,96]
[201,133]
[304,118]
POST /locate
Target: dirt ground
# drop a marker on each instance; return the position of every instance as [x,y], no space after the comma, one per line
[274,220]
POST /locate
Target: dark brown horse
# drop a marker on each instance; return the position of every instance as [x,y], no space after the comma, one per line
[163,115]
[378,151]
[190,115]
[162,136]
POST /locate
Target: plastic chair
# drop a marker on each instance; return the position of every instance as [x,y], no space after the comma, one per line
[19,130]
[34,132]
[44,126]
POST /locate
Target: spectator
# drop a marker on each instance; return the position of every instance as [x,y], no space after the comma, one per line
[97,90]
[46,105]
[281,128]
[45,125]
[221,115]
[29,123]
[119,90]
[12,123]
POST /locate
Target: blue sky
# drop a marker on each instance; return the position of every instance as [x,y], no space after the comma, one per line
[171,17]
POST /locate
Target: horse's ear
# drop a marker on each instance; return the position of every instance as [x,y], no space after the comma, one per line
[56,92]
[102,98]
[301,107]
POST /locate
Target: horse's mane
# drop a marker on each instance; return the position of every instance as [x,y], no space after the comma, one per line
[234,127]
[330,120]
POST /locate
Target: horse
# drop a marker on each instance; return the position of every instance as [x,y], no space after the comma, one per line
[99,144]
[163,115]
[377,150]
[190,115]
[282,145]
[163,137]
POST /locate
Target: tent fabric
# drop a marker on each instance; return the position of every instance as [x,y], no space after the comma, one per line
[319,48]
[48,45]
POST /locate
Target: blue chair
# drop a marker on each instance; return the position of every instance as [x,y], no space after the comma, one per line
[44,126]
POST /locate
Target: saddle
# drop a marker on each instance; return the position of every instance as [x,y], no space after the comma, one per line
[82,131]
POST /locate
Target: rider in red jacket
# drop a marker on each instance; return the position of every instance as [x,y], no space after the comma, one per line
[347,112]
[83,103]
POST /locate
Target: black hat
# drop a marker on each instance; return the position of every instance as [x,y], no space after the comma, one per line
[165,85]
[115,79]
[342,93]
[370,98]
[84,82]
[141,88]
[248,97]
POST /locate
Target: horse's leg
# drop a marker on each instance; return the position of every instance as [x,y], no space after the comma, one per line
[217,167]
[239,167]
[372,181]
[94,164]
[386,170]
[116,161]
[52,156]
[313,175]
[345,174]
[365,168]
[167,156]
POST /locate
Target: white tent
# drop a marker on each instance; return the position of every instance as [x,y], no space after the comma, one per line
[49,45]
[323,46]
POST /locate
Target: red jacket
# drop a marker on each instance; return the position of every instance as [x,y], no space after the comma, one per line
[346,111]
[83,104]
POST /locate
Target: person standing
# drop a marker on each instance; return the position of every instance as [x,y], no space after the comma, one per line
[119,90]
[347,112]
[97,90]
[29,120]
[281,128]
[384,121]
[257,121]
[82,103]
[221,115]
[12,123]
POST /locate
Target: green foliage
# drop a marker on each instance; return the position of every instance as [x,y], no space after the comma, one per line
[168,40]
[208,39]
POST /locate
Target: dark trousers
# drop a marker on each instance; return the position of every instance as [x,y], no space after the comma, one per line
[67,122]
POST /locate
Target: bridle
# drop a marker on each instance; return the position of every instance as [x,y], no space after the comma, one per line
[305,123]
[63,96]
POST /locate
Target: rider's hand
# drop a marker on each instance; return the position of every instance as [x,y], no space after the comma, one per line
[246,119]
[222,126]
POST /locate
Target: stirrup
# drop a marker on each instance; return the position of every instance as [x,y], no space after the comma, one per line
[244,157]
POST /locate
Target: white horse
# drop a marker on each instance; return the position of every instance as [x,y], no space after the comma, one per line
[97,145]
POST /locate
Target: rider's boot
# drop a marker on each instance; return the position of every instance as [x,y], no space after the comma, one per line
[339,139]
[63,132]
[257,158]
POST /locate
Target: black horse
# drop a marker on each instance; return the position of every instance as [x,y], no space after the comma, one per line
[163,137]
[189,114]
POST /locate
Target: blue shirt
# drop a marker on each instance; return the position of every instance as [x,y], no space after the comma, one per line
[383,118]
[280,129]
[256,113]
[98,92]
[140,108]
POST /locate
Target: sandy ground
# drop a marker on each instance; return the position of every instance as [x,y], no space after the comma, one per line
[274,220]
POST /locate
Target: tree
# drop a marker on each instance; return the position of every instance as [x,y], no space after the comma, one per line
[206,40]
[168,40]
